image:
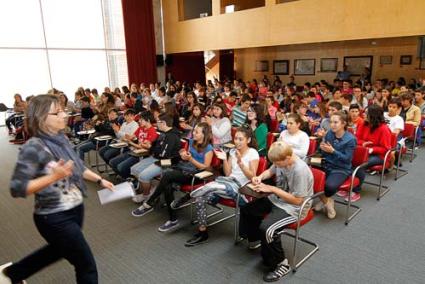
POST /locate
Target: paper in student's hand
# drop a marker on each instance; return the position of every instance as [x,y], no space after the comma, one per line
[121,191]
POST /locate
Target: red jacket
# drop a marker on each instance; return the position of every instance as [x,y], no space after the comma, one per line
[380,138]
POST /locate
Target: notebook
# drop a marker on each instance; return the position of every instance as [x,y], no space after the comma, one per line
[121,191]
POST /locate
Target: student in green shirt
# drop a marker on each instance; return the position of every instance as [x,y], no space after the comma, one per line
[256,119]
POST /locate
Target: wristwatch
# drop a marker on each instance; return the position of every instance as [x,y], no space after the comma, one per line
[99,181]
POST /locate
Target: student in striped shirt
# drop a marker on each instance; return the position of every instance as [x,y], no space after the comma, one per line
[239,113]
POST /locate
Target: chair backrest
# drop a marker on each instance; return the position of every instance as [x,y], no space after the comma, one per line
[409,131]
[184,144]
[215,162]
[319,180]
[312,148]
[270,139]
[360,156]
[233,132]
[3,107]
[274,125]
[262,165]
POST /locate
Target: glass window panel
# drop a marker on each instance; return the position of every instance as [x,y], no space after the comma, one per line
[20,24]
[114,24]
[24,72]
[118,72]
[73,24]
[72,69]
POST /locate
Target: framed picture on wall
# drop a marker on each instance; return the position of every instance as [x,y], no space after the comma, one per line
[422,64]
[280,67]
[261,66]
[385,60]
[304,66]
[328,65]
[356,64]
[405,59]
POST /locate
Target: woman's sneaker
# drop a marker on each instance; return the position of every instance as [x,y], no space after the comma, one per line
[281,270]
[142,210]
[330,208]
[254,245]
[355,196]
[197,239]
[176,204]
[342,193]
[3,277]
[318,207]
[169,225]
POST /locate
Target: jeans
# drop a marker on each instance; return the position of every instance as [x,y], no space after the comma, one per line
[333,181]
[361,174]
[107,153]
[165,186]
[64,237]
[254,226]
[85,148]
[122,163]
[146,170]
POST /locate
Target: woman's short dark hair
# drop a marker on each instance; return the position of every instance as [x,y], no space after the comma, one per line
[37,112]
[206,130]
[223,108]
[249,134]
[354,106]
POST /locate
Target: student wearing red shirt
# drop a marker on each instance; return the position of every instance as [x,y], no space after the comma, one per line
[376,136]
[145,135]
[354,118]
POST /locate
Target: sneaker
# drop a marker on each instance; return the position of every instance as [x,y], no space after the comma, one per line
[355,196]
[342,193]
[197,239]
[330,209]
[372,173]
[169,225]
[318,207]
[281,270]
[140,198]
[176,204]
[254,245]
[142,210]
[3,277]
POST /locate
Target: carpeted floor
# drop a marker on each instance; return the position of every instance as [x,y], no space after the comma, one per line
[385,243]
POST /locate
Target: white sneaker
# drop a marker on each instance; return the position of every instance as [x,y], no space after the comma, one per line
[3,278]
[318,207]
[330,208]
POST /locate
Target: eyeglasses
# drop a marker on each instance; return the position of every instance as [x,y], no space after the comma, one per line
[56,113]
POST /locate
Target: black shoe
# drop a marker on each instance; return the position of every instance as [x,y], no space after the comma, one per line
[198,238]
[176,204]
[280,271]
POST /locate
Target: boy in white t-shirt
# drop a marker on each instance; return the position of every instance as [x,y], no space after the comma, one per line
[394,121]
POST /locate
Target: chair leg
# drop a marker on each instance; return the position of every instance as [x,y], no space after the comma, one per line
[296,264]
[348,217]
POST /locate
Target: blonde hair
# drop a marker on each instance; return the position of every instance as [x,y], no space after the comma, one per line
[279,151]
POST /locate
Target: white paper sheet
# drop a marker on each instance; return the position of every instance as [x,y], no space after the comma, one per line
[121,191]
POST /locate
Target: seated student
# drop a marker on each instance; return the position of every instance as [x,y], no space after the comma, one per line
[194,119]
[145,136]
[420,103]
[239,168]
[295,137]
[359,98]
[301,110]
[324,127]
[346,100]
[220,125]
[271,107]
[256,120]
[316,115]
[230,102]
[166,146]
[86,114]
[376,136]
[102,128]
[354,118]
[198,157]
[260,219]
[239,113]
[128,127]
[410,113]
[394,121]
[337,149]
